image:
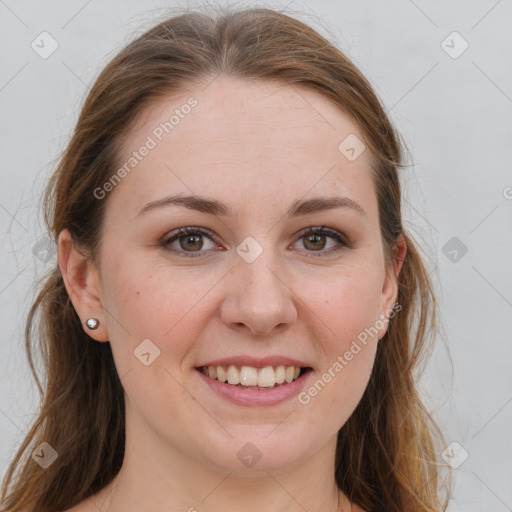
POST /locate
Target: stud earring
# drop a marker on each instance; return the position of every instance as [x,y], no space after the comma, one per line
[92,323]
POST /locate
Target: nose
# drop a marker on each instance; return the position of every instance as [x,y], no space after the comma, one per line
[258,297]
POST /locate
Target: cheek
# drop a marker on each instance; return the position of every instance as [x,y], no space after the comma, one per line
[347,301]
[145,299]
[349,308]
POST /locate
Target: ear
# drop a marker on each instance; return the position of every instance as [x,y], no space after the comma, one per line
[82,284]
[390,286]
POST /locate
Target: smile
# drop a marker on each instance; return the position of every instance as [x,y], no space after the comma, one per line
[249,377]
[253,387]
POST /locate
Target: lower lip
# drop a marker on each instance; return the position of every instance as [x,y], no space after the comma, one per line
[256,397]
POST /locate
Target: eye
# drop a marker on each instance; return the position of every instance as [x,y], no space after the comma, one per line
[316,239]
[187,241]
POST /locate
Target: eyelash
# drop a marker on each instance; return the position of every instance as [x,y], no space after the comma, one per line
[317,230]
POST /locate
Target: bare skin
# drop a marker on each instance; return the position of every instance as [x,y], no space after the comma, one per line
[258,148]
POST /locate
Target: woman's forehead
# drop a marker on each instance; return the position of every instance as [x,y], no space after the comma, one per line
[241,138]
[232,109]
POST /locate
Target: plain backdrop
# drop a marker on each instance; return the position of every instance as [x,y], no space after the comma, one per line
[442,70]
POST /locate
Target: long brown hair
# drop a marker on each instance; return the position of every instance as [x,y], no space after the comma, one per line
[385,458]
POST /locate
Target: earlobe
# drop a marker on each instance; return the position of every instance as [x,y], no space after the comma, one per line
[82,284]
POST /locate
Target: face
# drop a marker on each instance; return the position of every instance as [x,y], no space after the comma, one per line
[253,279]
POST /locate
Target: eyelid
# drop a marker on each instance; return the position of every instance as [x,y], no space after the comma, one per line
[176,233]
[323,230]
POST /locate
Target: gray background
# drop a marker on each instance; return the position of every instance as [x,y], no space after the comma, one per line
[455,117]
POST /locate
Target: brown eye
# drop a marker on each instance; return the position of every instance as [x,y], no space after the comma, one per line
[191,242]
[322,241]
[314,242]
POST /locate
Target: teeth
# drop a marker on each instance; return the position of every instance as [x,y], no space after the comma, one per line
[266,377]
[280,374]
[221,374]
[248,376]
[233,375]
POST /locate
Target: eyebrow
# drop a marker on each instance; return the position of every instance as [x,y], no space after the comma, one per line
[214,207]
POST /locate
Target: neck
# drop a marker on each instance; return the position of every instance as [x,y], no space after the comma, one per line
[156,475]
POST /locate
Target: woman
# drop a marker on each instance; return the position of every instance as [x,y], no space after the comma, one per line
[237,310]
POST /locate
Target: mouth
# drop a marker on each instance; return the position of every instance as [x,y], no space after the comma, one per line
[252,378]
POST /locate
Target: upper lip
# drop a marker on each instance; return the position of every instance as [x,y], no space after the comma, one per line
[256,362]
